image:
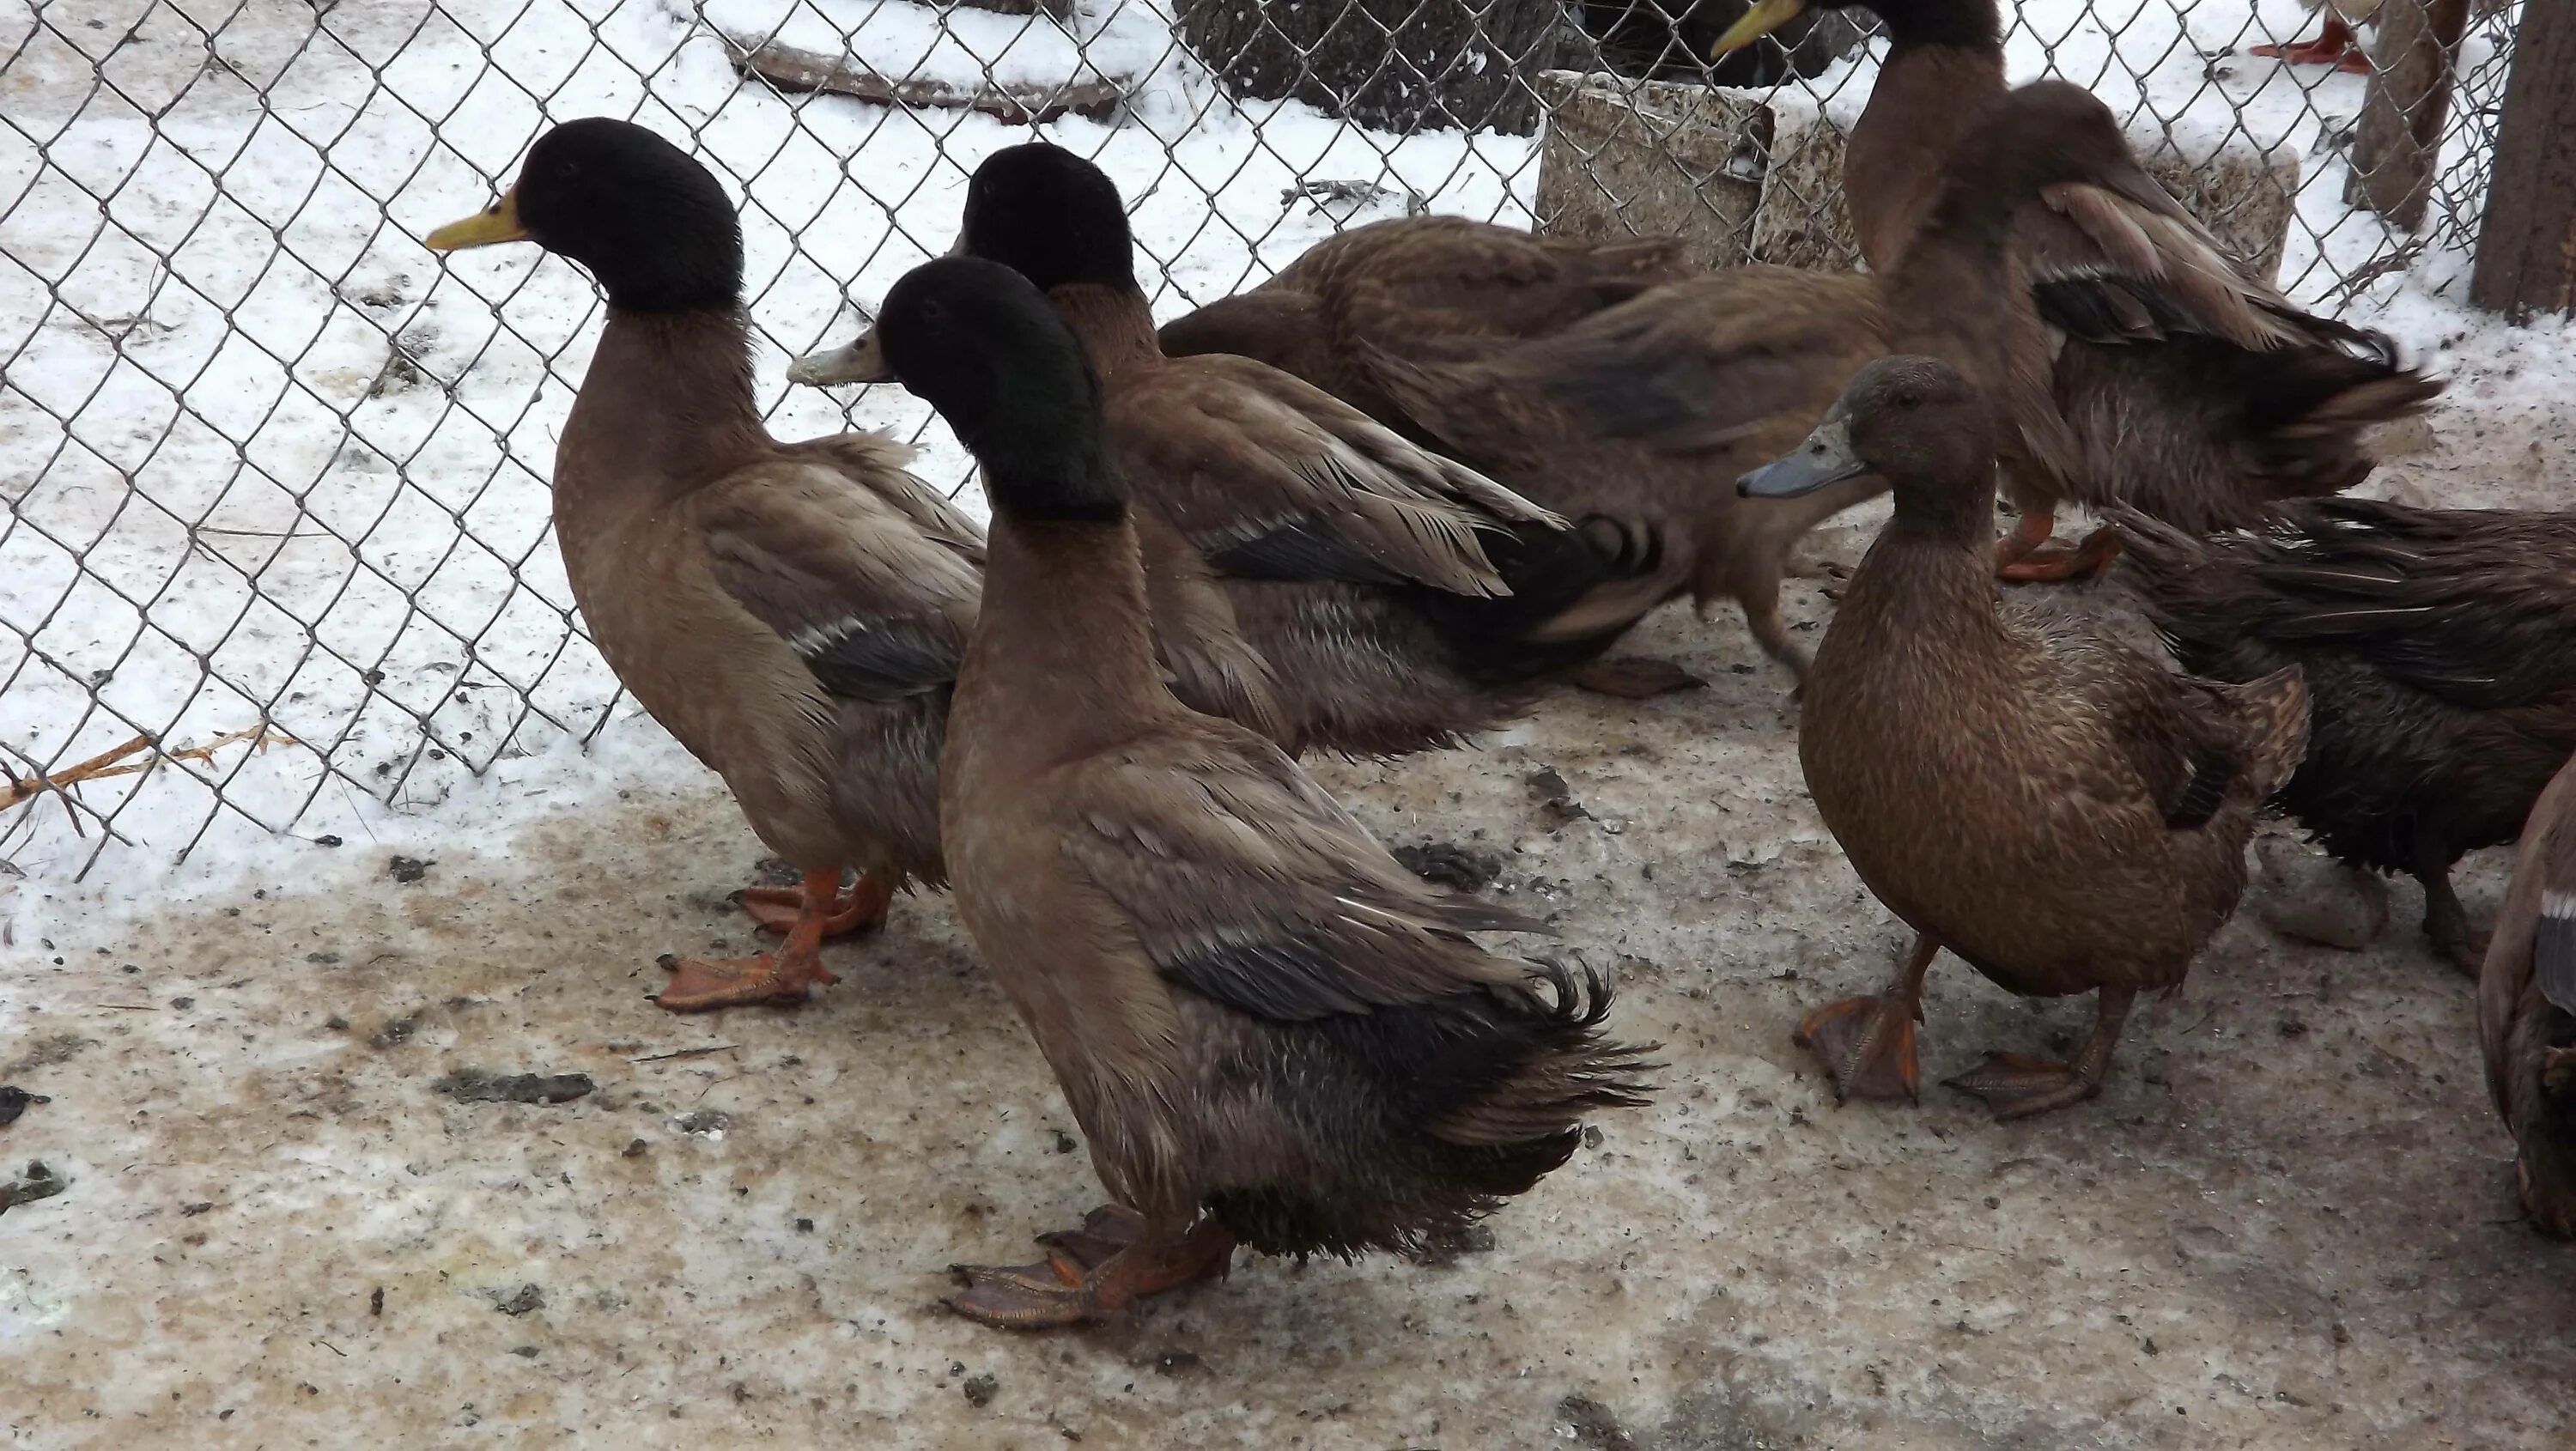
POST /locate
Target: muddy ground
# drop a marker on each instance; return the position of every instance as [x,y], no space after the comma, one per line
[284,1218]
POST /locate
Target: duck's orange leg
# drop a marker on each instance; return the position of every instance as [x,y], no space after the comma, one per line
[859,908]
[1868,1042]
[2335,45]
[700,984]
[1070,1287]
[2025,556]
[2018,1085]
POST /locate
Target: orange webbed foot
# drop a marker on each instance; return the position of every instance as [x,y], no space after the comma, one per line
[700,984]
[857,908]
[1063,1290]
[2018,1085]
[2055,563]
[1868,1045]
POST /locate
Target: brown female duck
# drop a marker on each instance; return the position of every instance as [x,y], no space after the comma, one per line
[793,613]
[1400,599]
[2148,368]
[2064,813]
[2434,644]
[1270,1032]
[1648,411]
[1408,284]
[2527,1008]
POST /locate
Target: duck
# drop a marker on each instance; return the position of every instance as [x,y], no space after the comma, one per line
[2337,43]
[2149,368]
[1271,1034]
[2065,813]
[792,613]
[2527,1008]
[1402,600]
[1408,283]
[2431,640]
[1648,411]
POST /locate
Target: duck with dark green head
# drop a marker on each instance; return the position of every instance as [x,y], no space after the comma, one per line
[1401,598]
[2152,368]
[1271,1033]
[792,613]
[2065,813]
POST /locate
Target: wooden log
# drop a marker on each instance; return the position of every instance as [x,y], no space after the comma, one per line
[791,69]
[2398,149]
[2527,243]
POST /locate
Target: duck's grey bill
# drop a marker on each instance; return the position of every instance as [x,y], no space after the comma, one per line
[1825,458]
[861,362]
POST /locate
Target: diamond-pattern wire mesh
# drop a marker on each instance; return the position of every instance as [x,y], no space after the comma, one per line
[276,531]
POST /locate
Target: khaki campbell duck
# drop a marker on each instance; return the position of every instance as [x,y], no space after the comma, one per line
[2527,1008]
[1414,282]
[793,613]
[2148,368]
[1400,599]
[2064,813]
[1271,1033]
[2434,647]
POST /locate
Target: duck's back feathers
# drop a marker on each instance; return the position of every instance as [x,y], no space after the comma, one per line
[2183,386]
[867,574]
[1273,478]
[1405,1077]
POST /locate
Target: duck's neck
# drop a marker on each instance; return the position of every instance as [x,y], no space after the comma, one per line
[1113,320]
[1940,66]
[1953,286]
[665,407]
[1927,586]
[1063,655]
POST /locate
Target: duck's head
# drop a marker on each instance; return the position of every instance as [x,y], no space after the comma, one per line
[1048,215]
[977,342]
[1921,22]
[1037,209]
[2044,134]
[648,221]
[1914,423]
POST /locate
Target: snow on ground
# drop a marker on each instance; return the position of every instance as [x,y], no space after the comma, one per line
[1739,1266]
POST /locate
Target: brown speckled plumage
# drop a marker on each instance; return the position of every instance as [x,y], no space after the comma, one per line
[2064,813]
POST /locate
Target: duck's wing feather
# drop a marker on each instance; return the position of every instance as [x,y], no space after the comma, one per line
[1271,477]
[1243,881]
[868,574]
[2130,265]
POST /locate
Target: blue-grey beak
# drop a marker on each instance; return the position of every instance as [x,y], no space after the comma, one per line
[1825,458]
[859,362]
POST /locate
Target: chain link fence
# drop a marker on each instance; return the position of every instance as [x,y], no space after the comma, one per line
[275,480]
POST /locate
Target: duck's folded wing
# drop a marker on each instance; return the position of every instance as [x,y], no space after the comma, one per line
[1451,277]
[2130,265]
[1245,882]
[876,605]
[1273,478]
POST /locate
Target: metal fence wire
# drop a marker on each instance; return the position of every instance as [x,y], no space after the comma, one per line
[275,479]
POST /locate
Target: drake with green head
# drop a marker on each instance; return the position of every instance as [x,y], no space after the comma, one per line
[1400,598]
[792,613]
[1271,1033]
[2066,814]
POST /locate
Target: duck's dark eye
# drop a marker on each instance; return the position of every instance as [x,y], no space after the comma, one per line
[567,169]
[1909,400]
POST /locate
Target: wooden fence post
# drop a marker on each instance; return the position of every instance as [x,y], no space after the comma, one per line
[2527,242]
[2399,145]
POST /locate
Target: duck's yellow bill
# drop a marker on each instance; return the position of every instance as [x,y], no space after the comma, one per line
[1765,16]
[496,223]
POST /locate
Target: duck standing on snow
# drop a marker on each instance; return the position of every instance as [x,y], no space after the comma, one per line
[792,613]
[2147,367]
[1400,599]
[2064,813]
[1270,1032]
[2527,1008]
